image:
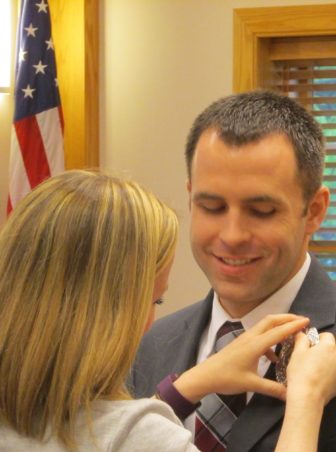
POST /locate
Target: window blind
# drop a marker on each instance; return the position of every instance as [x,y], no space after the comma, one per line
[312,82]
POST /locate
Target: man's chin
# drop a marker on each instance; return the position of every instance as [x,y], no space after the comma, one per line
[237,303]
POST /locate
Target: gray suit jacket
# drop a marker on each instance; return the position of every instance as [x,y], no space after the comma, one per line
[171,346]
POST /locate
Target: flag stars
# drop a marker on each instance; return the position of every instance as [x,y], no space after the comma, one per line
[50,44]
[22,55]
[40,68]
[31,30]
[28,92]
[42,7]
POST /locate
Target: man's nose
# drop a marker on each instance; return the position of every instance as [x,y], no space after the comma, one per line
[234,230]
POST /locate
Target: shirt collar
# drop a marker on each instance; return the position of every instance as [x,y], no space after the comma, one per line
[279,302]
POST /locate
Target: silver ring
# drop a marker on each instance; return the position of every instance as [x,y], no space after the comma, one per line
[313,336]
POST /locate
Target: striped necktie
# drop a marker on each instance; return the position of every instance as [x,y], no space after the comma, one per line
[217,413]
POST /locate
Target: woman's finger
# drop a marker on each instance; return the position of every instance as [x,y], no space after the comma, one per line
[327,338]
[274,320]
[271,355]
[280,333]
[269,387]
[301,342]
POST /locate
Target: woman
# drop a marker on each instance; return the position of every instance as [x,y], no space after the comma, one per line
[85,258]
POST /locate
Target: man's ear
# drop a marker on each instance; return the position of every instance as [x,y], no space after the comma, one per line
[188,184]
[317,209]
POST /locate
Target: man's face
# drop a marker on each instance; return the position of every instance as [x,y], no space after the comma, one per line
[249,223]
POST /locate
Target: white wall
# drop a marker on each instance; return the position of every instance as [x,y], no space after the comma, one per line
[162,62]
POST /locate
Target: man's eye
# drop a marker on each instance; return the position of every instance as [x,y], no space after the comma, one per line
[263,213]
[213,209]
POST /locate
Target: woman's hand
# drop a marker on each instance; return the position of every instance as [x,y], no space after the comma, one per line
[311,372]
[234,368]
[311,383]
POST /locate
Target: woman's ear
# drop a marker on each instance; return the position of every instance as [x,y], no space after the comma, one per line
[317,209]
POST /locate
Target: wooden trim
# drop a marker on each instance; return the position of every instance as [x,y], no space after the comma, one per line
[254,28]
[92,82]
[75,34]
[303,48]
[322,249]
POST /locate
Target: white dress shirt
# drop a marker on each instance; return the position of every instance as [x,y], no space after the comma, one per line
[278,303]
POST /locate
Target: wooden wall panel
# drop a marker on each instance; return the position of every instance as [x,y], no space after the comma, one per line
[91,15]
[75,34]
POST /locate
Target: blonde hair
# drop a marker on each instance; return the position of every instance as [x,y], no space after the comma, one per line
[79,257]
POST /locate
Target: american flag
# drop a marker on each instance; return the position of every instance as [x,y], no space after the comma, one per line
[37,136]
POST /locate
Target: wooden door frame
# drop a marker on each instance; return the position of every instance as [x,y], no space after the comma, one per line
[253,26]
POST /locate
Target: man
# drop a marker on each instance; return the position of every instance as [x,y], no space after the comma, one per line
[255,165]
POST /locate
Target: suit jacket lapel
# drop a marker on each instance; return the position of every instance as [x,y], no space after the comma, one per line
[317,300]
[186,340]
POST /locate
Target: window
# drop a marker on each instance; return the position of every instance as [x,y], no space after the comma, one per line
[309,76]
[292,50]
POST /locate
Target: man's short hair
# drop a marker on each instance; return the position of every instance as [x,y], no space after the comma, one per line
[251,116]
